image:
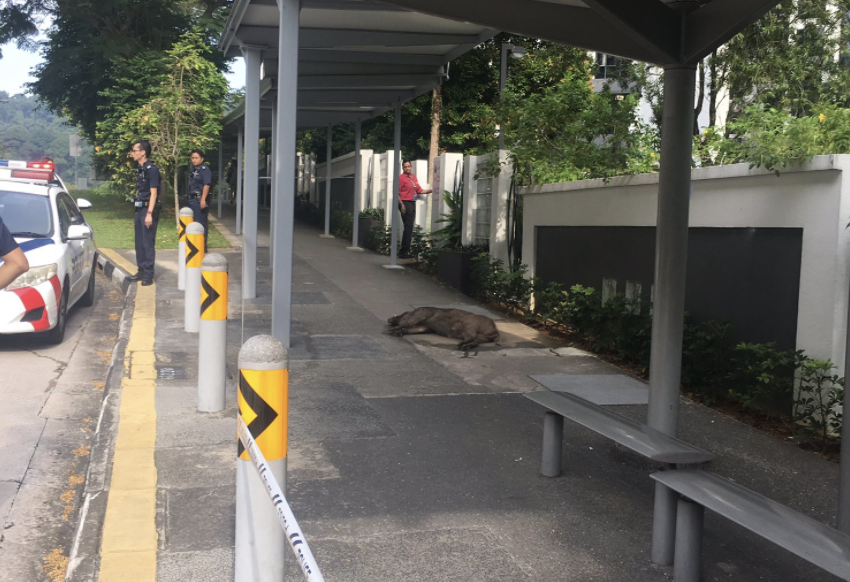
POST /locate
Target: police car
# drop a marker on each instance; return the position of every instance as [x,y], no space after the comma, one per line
[59,245]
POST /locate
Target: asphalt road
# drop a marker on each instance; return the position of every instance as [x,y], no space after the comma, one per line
[50,401]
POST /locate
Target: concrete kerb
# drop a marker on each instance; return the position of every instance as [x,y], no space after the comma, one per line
[234,240]
[113,272]
[84,556]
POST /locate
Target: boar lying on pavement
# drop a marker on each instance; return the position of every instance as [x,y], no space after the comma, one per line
[470,328]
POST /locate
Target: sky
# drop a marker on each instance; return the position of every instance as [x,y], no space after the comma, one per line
[15,67]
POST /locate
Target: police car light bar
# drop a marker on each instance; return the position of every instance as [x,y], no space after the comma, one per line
[30,171]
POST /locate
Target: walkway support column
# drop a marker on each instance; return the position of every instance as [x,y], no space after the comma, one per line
[272,183]
[239,180]
[394,212]
[358,189]
[668,311]
[328,178]
[253,59]
[222,182]
[283,211]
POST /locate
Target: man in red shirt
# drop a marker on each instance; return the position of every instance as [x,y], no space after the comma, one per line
[408,188]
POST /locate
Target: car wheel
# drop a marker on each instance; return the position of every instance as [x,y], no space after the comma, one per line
[57,334]
[87,300]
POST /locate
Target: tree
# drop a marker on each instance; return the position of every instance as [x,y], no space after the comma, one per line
[19,21]
[91,43]
[558,128]
[29,132]
[184,111]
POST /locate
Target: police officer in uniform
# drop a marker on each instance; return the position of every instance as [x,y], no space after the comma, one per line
[148,206]
[200,180]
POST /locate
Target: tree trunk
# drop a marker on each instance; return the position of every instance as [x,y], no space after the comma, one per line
[700,95]
[176,203]
[712,91]
[436,115]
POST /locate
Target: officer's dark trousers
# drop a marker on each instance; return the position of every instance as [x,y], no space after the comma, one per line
[200,215]
[409,219]
[145,244]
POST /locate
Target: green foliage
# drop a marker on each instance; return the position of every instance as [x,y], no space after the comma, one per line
[422,250]
[29,132]
[567,132]
[491,282]
[307,212]
[817,408]
[787,60]
[706,353]
[182,111]
[450,235]
[770,138]
[372,213]
[342,223]
[90,44]
[763,377]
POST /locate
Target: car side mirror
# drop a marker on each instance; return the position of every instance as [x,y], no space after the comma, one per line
[83,204]
[79,232]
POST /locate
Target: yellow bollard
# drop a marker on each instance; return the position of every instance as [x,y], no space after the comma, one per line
[194,259]
[185,220]
[263,400]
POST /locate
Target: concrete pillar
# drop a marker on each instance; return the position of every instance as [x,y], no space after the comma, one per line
[222,182]
[284,166]
[393,210]
[358,187]
[328,179]
[272,183]
[239,180]
[671,251]
[253,58]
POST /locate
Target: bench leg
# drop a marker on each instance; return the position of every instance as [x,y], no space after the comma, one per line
[664,525]
[689,518]
[553,438]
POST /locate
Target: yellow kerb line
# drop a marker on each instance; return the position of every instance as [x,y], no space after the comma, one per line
[128,551]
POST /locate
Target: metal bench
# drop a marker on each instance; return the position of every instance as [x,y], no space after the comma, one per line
[641,439]
[809,539]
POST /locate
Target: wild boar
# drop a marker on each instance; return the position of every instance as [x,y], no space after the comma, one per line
[468,327]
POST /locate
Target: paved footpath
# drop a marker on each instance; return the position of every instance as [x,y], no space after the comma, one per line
[407,461]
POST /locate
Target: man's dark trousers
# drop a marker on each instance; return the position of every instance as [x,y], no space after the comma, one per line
[200,216]
[145,244]
[409,219]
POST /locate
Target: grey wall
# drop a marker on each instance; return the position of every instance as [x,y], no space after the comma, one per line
[748,276]
[342,194]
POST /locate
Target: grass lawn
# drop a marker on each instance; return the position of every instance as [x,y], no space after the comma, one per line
[112,221]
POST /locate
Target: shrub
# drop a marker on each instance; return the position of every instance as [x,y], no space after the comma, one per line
[820,393]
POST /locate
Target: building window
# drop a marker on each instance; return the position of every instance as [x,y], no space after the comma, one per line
[608,66]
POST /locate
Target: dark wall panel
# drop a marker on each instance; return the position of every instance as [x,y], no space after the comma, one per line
[342,194]
[748,276]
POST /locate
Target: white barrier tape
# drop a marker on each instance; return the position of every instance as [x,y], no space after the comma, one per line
[294,535]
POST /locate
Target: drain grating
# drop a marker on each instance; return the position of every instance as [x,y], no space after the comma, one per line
[171,373]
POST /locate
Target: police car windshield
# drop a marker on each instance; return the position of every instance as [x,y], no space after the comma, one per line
[26,215]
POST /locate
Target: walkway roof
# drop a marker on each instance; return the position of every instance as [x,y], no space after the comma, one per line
[357,58]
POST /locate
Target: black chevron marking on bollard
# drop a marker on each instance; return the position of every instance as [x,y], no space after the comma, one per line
[212,295]
[265,413]
[193,250]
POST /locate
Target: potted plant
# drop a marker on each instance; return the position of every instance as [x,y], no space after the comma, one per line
[454,262]
[368,218]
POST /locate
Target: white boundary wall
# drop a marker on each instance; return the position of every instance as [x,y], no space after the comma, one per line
[498,204]
[447,175]
[814,197]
